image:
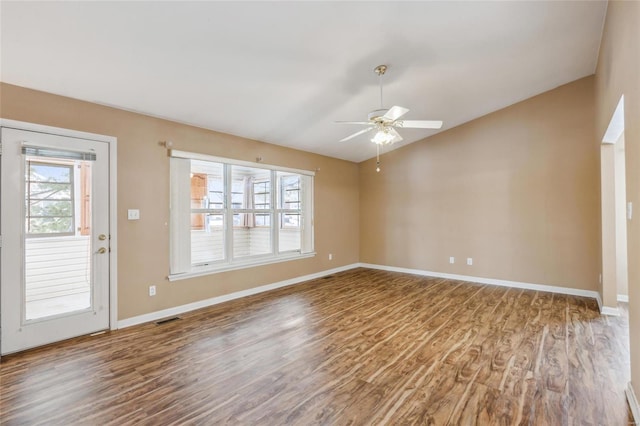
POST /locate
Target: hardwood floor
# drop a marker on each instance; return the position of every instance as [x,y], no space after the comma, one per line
[361,347]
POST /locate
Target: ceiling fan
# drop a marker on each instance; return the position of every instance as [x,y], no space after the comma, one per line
[386,121]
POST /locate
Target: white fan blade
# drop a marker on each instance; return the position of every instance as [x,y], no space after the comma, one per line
[362,123]
[357,134]
[419,124]
[397,137]
[394,113]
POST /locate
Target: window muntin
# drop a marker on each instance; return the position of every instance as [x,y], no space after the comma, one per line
[239,215]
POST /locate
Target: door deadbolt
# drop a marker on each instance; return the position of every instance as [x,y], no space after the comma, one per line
[102,237]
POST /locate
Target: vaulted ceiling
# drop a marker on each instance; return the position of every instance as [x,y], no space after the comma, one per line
[283,72]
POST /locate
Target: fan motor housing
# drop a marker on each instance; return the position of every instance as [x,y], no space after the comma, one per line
[376,115]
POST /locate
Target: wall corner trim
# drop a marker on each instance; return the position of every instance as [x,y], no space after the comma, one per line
[623,298]
[492,281]
[611,311]
[633,402]
[177,310]
[599,300]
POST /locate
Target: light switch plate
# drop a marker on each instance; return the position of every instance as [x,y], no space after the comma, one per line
[133,214]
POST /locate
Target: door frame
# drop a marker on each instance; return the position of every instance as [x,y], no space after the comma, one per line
[113,200]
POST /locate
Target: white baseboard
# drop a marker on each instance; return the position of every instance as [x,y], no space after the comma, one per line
[611,311]
[599,300]
[491,281]
[608,310]
[633,403]
[623,298]
[154,316]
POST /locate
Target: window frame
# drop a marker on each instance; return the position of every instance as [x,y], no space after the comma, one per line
[181,267]
[282,191]
[268,202]
[29,200]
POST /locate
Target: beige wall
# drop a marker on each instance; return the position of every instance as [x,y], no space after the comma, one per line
[608,214]
[618,73]
[143,183]
[516,190]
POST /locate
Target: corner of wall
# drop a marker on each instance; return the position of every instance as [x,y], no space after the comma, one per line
[606,310]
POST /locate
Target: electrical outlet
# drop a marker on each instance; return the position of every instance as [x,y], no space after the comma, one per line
[152,290]
[330,256]
[452,259]
[469,261]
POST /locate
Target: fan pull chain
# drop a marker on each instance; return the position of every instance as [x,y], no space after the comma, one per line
[378,158]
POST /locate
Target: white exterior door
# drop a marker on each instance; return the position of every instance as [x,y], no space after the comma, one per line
[55,255]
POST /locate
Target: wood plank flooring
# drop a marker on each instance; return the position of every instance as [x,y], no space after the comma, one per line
[361,347]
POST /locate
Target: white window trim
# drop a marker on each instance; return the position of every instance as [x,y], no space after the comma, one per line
[113,198]
[181,261]
[196,156]
[199,272]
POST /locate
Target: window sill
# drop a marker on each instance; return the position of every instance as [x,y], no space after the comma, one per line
[199,272]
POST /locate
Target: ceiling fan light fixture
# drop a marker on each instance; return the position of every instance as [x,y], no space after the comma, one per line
[384,122]
[383,138]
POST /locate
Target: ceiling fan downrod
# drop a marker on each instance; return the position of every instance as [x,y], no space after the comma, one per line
[380,70]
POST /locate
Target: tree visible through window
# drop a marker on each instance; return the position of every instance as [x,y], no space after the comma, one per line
[49,198]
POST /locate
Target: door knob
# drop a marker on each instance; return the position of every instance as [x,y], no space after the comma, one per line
[102,250]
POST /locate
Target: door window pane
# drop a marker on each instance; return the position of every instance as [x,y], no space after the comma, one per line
[57,269]
[50,225]
[49,198]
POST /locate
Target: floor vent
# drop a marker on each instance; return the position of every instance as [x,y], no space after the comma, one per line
[166,320]
[328,277]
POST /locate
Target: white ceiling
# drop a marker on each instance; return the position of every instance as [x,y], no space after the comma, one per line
[283,72]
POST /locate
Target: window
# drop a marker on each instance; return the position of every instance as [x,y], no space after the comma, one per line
[290,195]
[49,199]
[228,214]
[50,195]
[261,201]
